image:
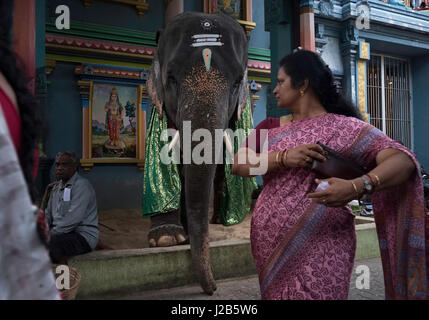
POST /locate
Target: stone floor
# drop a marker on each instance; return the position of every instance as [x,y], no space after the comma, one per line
[247,288]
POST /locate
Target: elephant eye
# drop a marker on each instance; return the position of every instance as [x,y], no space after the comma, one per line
[172,80]
[173,84]
[236,85]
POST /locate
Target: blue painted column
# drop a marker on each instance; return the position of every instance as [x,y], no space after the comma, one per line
[420,71]
[278,21]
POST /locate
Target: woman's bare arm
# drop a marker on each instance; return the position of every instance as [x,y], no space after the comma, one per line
[393,168]
[247,160]
[248,163]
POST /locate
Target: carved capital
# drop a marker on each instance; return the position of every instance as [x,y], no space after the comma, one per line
[326,8]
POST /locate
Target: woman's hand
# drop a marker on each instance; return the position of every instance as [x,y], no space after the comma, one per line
[303,155]
[339,193]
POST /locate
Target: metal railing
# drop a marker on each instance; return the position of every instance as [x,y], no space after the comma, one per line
[388,88]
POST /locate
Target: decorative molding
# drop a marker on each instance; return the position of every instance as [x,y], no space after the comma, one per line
[104,32]
[140,5]
[110,72]
[260,54]
[259,66]
[85,46]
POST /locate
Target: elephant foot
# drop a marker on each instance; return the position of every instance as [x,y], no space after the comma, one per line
[166,231]
[167,235]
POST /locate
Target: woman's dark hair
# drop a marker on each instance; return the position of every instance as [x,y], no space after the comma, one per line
[12,68]
[304,64]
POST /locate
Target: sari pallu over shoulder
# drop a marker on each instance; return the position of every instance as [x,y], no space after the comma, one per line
[402,223]
[400,214]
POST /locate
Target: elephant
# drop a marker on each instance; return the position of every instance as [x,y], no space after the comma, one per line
[199,74]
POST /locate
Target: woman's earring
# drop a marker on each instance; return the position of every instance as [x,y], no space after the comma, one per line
[301,92]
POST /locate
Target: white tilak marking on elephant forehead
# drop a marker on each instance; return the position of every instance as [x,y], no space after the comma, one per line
[206,44]
[200,40]
[207,35]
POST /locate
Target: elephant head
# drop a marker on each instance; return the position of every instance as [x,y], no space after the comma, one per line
[199,74]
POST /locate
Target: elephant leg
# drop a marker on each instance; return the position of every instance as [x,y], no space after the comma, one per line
[218,195]
[166,230]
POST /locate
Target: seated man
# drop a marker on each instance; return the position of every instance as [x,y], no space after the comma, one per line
[71,212]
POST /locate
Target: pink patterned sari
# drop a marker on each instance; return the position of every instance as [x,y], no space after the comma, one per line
[304,250]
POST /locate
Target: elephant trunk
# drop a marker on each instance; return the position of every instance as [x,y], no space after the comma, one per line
[198,181]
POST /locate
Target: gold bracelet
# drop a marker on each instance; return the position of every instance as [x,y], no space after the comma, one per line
[354,187]
[284,159]
[277,158]
[378,180]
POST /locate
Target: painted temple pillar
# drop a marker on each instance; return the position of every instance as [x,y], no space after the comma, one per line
[24,37]
[172,9]
[349,50]
[279,22]
[363,57]
[306,25]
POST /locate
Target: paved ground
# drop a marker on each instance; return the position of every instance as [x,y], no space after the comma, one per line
[248,288]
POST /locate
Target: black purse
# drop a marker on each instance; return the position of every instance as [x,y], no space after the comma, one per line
[336,166]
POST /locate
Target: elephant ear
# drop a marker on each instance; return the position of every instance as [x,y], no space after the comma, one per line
[154,86]
[154,83]
[243,92]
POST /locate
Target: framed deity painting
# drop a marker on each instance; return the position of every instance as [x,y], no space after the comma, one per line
[114,128]
[113,121]
[232,8]
[241,10]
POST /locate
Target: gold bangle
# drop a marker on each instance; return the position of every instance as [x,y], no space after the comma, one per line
[277,158]
[378,180]
[284,159]
[354,187]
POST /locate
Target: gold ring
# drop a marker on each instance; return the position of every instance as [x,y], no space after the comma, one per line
[324,201]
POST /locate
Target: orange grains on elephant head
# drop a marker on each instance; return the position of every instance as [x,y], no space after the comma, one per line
[205,86]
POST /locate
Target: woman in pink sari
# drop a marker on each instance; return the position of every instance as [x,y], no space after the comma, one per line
[303,240]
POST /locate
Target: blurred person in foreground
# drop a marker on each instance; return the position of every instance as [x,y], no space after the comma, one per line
[25,267]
